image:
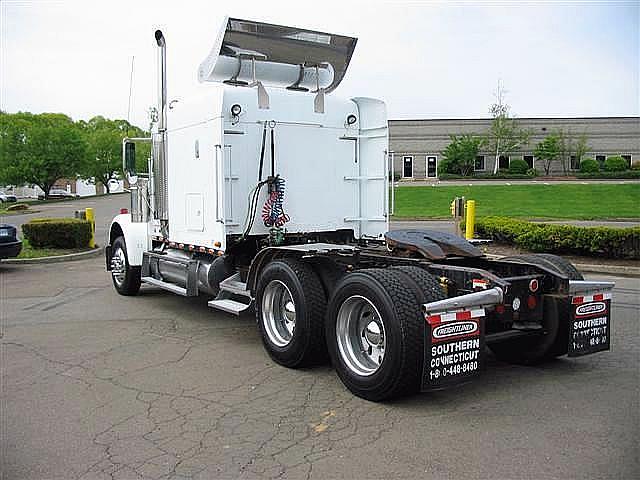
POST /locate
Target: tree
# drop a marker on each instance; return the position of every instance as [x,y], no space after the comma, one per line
[582,147]
[570,145]
[461,153]
[103,162]
[548,150]
[39,149]
[504,136]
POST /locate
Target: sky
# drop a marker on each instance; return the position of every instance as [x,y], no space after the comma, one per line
[426,59]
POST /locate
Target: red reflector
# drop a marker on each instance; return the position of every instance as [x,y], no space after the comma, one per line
[500,309]
[533,285]
[124,211]
[532,302]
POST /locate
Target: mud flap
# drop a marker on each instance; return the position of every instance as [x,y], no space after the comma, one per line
[590,325]
[454,348]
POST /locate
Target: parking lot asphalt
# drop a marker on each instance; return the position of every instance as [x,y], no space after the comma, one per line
[98,386]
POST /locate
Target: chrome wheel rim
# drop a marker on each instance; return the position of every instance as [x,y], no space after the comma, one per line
[278,313]
[118,266]
[361,335]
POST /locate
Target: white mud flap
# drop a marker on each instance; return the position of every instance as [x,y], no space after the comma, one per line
[454,348]
[590,323]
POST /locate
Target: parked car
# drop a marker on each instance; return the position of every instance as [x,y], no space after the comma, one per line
[10,244]
[59,193]
[7,197]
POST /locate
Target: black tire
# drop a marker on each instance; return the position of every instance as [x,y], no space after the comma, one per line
[328,272]
[126,282]
[306,345]
[553,262]
[555,342]
[397,307]
[429,287]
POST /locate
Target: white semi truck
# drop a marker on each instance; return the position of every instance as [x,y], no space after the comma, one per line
[269,193]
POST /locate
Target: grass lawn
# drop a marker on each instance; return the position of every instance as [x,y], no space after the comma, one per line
[30,252]
[578,202]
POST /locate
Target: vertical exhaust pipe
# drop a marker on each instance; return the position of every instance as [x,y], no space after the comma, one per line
[160,172]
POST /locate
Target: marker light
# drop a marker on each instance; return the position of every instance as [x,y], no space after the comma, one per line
[533,285]
[236,110]
[351,119]
[124,211]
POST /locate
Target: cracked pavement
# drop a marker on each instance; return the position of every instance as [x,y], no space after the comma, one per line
[98,386]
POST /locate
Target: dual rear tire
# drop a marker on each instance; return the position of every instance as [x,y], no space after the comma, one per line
[371,327]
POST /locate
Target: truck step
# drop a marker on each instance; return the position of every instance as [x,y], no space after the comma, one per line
[230,306]
[235,286]
[166,286]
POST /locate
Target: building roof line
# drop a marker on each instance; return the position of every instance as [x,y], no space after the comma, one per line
[487,119]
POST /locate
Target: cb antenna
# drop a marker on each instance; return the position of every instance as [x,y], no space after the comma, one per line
[130,90]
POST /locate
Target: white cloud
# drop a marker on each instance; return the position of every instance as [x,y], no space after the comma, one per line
[426,59]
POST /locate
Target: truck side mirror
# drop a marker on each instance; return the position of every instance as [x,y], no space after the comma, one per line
[130,158]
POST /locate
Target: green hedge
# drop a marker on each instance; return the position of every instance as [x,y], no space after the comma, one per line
[562,239]
[57,232]
[627,174]
[484,176]
[518,167]
[589,165]
[615,164]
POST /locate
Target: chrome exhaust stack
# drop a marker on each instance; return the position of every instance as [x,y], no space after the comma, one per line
[160,173]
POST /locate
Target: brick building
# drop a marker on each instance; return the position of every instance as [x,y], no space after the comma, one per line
[417,145]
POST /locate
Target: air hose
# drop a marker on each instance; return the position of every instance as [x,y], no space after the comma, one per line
[273,214]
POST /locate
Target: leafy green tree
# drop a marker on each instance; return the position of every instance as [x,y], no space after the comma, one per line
[103,162]
[460,154]
[548,150]
[39,149]
[504,136]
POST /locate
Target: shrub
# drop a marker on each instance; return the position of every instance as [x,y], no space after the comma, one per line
[532,172]
[589,165]
[563,239]
[622,175]
[635,166]
[615,164]
[518,166]
[57,232]
[444,166]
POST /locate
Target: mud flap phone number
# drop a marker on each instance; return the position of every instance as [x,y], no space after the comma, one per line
[453,349]
[590,324]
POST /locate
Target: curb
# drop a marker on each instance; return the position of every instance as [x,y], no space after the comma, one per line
[58,258]
[609,269]
[604,269]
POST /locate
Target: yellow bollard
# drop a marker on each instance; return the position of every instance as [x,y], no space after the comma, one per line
[91,218]
[471,219]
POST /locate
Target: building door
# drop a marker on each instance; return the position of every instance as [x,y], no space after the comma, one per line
[407,167]
[432,167]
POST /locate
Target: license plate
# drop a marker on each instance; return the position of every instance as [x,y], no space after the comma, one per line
[590,326]
[454,346]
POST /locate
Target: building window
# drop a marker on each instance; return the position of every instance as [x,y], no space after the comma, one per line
[479,163]
[574,162]
[528,159]
[407,167]
[503,162]
[600,159]
[628,158]
[432,166]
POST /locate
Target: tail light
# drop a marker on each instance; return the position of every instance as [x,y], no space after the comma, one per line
[532,302]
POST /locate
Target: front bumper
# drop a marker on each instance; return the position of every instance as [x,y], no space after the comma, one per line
[10,249]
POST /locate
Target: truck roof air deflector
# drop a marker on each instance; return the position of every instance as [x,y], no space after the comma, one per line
[254,53]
